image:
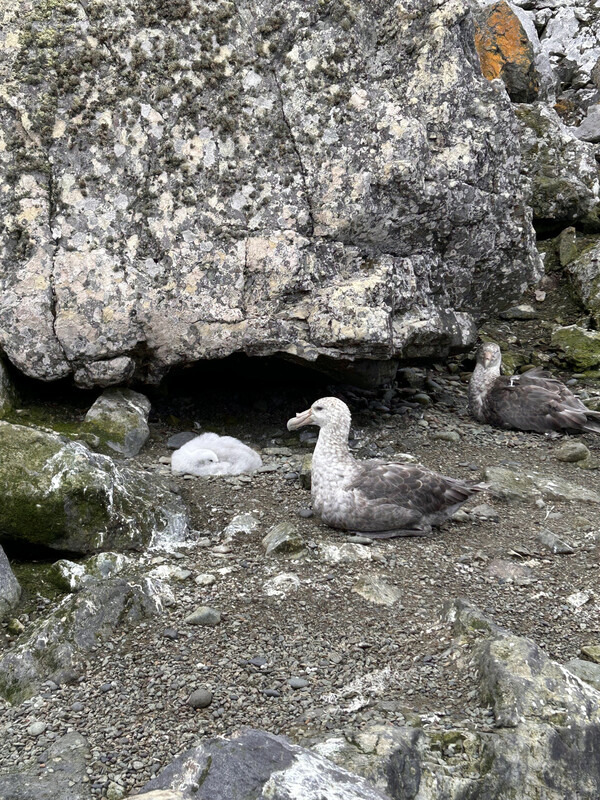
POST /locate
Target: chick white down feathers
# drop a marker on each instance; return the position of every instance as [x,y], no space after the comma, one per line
[211,454]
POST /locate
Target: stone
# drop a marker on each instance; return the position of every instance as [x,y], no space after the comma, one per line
[241,523]
[523,311]
[255,764]
[344,553]
[554,543]
[283,539]
[200,698]
[14,626]
[281,585]
[205,579]
[305,471]
[55,647]
[36,728]
[110,372]
[204,615]
[567,246]
[178,440]
[67,576]
[159,794]
[485,511]
[505,51]
[298,683]
[445,436]
[589,129]
[115,791]
[56,493]
[119,418]
[584,273]
[592,651]
[559,170]
[10,589]
[580,348]
[509,572]
[528,485]
[8,393]
[66,779]
[113,272]
[585,670]
[578,599]
[572,452]
[374,589]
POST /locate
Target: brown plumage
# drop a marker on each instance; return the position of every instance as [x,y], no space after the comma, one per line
[377,498]
[534,401]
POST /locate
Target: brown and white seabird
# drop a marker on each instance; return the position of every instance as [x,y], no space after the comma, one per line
[533,401]
[377,498]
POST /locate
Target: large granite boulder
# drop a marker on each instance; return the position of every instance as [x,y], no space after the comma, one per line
[56,646]
[119,418]
[506,52]
[584,272]
[560,171]
[254,765]
[182,181]
[543,745]
[8,393]
[10,589]
[57,493]
[65,779]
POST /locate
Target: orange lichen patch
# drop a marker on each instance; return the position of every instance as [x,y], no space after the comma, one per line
[505,51]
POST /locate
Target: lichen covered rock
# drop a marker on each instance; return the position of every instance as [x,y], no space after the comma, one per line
[119,418]
[584,271]
[578,346]
[56,493]
[55,648]
[505,51]
[560,170]
[312,179]
[10,590]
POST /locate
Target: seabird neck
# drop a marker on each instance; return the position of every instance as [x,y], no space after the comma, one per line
[480,384]
[332,444]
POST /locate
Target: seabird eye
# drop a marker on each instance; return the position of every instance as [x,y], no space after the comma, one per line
[318,408]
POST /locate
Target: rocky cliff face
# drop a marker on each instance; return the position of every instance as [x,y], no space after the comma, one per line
[185,180]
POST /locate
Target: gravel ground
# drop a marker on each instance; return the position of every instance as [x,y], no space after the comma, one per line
[361,662]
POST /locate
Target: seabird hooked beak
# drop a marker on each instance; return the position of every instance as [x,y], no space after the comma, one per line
[487,358]
[301,418]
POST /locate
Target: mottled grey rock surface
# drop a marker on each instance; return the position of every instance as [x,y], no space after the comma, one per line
[63,778]
[183,181]
[55,648]
[119,417]
[560,171]
[7,391]
[547,730]
[255,764]
[584,272]
[59,494]
[10,590]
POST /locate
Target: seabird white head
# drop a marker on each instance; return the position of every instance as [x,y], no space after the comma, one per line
[325,412]
[489,356]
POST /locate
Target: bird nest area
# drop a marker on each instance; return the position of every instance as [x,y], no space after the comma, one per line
[300,615]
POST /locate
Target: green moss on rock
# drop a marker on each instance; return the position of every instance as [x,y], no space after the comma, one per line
[56,493]
[580,347]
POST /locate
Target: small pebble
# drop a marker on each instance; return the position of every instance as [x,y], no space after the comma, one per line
[170,633]
[298,683]
[305,513]
[271,693]
[204,615]
[200,698]
[36,728]
[205,579]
